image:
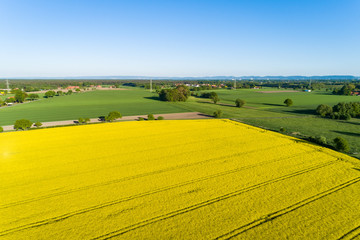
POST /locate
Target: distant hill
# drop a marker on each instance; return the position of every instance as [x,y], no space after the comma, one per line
[326,77]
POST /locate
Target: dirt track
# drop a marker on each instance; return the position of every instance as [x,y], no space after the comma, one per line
[167,116]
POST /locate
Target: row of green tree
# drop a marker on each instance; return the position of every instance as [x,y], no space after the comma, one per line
[179,94]
[21,96]
[51,84]
[343,111]
[347,89]
[25,124]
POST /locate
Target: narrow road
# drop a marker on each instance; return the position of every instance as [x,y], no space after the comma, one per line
[167,116]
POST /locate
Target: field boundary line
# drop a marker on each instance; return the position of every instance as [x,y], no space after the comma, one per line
[291,208]
[124,199]
[72,122]
[209,202]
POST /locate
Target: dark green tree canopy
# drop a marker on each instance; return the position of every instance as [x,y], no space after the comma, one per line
[23,124]
[49,94]
[112,116]
[214,97]
[20,96]
[288,102]
[341,144]
[33,96]
[324,110]
[239,102]
[179,94]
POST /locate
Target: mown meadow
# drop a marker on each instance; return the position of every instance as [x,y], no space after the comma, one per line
[181,179]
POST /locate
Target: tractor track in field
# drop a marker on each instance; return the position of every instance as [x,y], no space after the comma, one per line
[352,234]
[209,202]
[114,155]
[115,181]
[291,208]
[151,136]
[124,199]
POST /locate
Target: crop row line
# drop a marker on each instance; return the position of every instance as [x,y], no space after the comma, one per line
[291,208]
[145,150]
[208,202]
[124,199]
[352,234]
[115,181]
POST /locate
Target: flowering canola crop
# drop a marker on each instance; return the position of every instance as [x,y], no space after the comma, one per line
[185,179]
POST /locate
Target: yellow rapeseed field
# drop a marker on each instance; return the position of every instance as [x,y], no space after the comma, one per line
[186,179]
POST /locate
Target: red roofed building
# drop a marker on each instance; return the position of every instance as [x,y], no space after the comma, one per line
[72,87]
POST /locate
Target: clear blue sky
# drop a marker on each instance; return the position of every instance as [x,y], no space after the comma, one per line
[179,38]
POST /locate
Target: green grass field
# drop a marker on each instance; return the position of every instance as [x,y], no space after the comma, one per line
[88,104]
[268,111]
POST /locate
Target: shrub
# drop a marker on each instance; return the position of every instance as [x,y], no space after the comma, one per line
[1,129]
[160,118]
[341,144]
[239,102]
[33,96]
[318,140]
[288,102]
[282,129]
[141,119]
[10,100]
[81,120]
[150,117]
[22,124]
[38,124]
[321,140]
[218,114]
[87,120]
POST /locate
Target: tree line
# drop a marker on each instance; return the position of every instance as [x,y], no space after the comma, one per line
[342,110]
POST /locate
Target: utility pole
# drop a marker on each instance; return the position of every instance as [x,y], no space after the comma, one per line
[150,85]
[7,84]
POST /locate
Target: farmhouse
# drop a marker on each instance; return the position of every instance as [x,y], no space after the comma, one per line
[355,93]
[72,87]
